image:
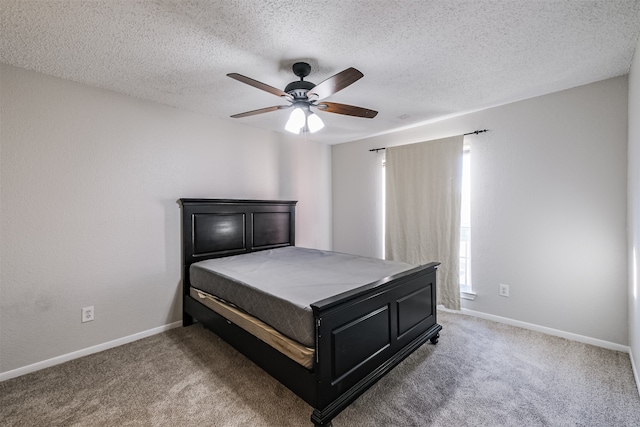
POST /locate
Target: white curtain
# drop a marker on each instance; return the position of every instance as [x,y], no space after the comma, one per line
[423,193]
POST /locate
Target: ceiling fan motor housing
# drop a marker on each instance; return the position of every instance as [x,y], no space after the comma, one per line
[299,89]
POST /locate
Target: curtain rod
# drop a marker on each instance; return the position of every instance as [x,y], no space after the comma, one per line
[465,134]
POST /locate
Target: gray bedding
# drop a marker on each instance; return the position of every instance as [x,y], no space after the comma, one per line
[279,285]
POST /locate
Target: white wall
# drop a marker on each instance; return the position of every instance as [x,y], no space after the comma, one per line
[89,181]
[549,210]
[634,212]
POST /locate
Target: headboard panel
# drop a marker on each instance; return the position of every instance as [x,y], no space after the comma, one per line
[213,228]
[216,234]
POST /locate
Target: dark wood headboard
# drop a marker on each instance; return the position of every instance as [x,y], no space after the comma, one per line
[213,228]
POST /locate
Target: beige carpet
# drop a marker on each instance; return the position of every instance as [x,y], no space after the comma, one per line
[481,373]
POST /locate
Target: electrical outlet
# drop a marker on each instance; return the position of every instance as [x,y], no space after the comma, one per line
[504,290]
[87,314]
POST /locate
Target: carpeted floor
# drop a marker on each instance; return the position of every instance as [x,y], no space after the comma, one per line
[481,373]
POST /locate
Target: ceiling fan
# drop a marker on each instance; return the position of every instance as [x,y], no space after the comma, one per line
[304,95]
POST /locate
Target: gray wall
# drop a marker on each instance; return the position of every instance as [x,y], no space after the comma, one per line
[89,181]
[549,191]
[634,212]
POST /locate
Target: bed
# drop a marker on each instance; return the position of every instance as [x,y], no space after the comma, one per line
[351,339]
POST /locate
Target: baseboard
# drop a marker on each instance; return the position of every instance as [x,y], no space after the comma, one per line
[85,352]
[635,371]
[549,331]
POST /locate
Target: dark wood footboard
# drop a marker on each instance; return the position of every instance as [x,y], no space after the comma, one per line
[360,335]
[363,334]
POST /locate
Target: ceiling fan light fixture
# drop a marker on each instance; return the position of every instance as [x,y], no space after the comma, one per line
[314,123]
[296,121]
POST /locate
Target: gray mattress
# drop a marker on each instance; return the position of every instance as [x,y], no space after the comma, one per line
[278,286]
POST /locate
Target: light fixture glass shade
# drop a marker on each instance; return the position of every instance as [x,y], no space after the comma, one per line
[296,121]
[314,123]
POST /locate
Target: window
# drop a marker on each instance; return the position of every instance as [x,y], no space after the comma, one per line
[384,206]
[465,224]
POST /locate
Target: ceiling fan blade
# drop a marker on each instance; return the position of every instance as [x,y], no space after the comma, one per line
[347,110]
[260,111]
[260,85]
[335,83]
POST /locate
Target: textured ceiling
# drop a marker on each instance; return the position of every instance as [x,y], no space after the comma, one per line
[421,59]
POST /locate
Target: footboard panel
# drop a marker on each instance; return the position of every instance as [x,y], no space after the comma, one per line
[362,336]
